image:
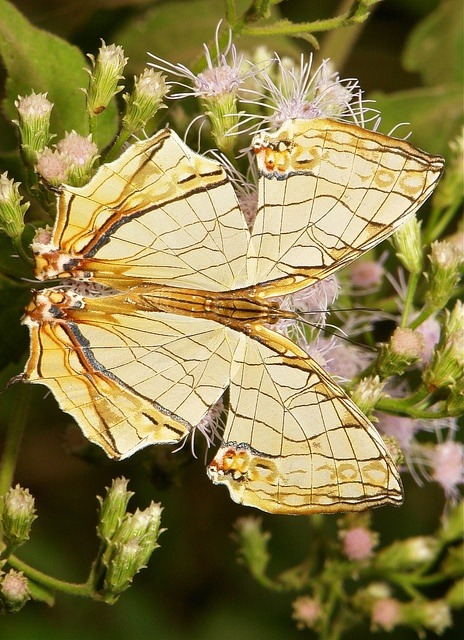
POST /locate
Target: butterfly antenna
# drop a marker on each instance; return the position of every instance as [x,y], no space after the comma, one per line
[337,331]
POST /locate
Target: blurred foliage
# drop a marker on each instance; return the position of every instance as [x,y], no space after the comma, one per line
[408,56]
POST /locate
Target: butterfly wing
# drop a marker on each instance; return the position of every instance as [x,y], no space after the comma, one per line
[294,442]
[328,192]
[130,377]
[159,213]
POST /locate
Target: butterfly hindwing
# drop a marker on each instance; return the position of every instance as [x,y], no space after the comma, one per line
[110,414]
[96,352]
[294,442]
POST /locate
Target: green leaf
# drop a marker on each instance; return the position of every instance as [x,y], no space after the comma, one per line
[422,109]
[436,48]
[39,61]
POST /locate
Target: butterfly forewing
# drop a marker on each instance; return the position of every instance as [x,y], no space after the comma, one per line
[161,214]
[328,192]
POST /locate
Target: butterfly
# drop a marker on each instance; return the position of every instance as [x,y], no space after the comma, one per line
[167,300]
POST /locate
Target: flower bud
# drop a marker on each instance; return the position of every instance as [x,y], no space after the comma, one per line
[113,508]
[11,210]
[445,262]
[406,555]
[385,614]
[34,124]
[123,565]
[144,100]
[252,542]
[446,368]
[53,166]
[404,348]
[408,245]
[106,72]
[451,186]
[130,549]
[431,615]
[18,516]
[14,591]
[367,393]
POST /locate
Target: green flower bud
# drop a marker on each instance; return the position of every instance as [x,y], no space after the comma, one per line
[81,154]
[223,114]
[408,245]
[124,564]
[145,100]
[446,368]
[18,516]
[252,542]
[34,124]
[130,549]
[451,186]
[106,72]
[14,591]
[432,615]
[367,393]
[113,508]
[445,262]
[11,210]
[406,555]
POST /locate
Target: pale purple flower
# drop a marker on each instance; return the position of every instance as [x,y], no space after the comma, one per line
[306,612]
[447,460]
[358,543]
[297,93]
[385,614]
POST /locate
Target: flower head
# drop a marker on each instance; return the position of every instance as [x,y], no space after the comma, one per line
[447,462]
[306,612]
[145,99]
[106,72]
[358,543]
[386,614]
[290,92]
[34,113]
[11,210]
[217,87]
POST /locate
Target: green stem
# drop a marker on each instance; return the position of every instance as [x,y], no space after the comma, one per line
[93,126]
[13,437]
[72,588]
[18,245]
[425,313]
[400,407]
[408,302]
[439,220]
[115,150]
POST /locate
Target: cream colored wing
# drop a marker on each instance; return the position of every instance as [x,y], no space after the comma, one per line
[294,442]
[128,376]
[159,213]
[328,192]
